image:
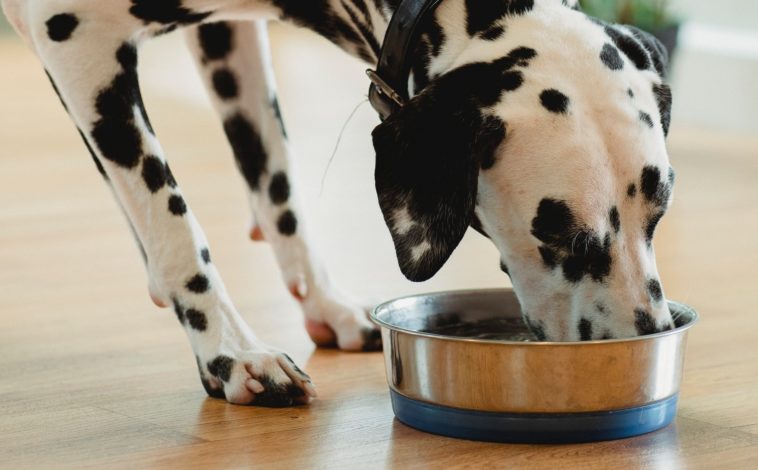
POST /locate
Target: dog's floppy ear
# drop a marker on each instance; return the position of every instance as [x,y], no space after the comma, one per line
[654,47]
[428,156]
[660,58]
[645,50]
[639,45]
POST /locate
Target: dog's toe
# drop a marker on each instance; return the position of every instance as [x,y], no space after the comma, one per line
[279,395]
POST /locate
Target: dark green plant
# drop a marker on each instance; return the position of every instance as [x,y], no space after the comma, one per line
[650,15]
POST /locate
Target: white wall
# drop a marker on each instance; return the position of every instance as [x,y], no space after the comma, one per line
[715,73]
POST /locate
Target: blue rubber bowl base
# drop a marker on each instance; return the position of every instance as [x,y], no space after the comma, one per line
[534,427]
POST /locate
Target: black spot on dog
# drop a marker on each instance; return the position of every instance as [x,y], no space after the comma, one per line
[650,225]
[519,7]
[153,173]
[536,328]
[522,53]
[165,12]
[60,26]
[630,47]
[650,180]
[585,330]
[493,133]
[247,147]
[372,339]
[554,221]
[170,180]
[196,319]
[116,133]
[365,31]
[212,392]
[593,258]
[225,84]
[554,101]
[176,205]
[476,224]
[198,284]
[512,80]
[165,30]
[178,310]
[653,187]
[278,115]
[657,51]
[504,268]
[644,322]
[215,40]
[654,288]
[279,188]
[630,93]
[57,92]
[277,395]
[221,367]
[91,151]
[580,252]
[435,36]
[631,190]
[205,254]
[663,99]
[613,215]
[492,33]
[287,223]
[549,257]
[645,118]
[602,309]
[320,16]
[611,57]
[482,15]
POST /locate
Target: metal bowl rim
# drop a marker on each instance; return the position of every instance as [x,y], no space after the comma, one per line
[499,291]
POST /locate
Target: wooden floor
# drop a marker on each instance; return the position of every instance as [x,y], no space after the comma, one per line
[93,375]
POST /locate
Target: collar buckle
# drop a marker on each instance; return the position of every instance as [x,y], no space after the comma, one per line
[384,88]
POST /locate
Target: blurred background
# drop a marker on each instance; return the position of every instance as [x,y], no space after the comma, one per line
[715,52]
[78,330]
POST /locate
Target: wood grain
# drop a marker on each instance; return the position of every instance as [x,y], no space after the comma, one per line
[92,375]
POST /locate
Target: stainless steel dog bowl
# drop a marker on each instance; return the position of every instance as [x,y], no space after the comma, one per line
[450,374]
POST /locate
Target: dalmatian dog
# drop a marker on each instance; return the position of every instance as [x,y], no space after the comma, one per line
[536,125]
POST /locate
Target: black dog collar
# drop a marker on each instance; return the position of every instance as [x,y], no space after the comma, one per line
[389,82]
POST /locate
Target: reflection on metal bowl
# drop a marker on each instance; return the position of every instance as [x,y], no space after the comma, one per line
[463,364]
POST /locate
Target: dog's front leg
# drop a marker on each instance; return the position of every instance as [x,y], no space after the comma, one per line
[92,60]
[233,58]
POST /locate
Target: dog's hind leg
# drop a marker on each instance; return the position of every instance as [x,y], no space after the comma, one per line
[89,50]
[233,58]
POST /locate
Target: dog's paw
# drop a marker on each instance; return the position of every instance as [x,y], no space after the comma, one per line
[260,378]
[331,321]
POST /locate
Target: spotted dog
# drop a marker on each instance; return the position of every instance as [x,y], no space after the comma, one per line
[540,127]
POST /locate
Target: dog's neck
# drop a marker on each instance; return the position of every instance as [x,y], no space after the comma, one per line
[359,26]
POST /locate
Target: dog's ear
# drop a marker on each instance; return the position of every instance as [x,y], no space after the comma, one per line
[428,157]
[660,58]
[639,45]
[654,47]
[645,50]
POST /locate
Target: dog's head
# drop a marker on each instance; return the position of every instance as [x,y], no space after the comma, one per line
[550,141]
